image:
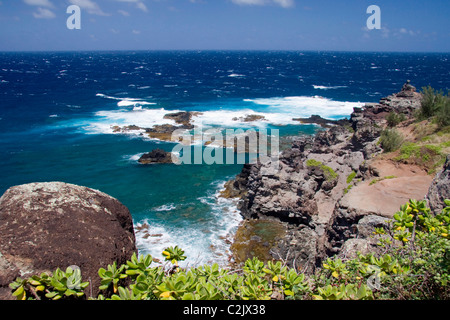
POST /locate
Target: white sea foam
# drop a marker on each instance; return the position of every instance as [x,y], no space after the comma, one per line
[236,75]
[276,111]
[126,102]
[231,119]
[295,107]
[165,207]
[133,157]
[328,87]
[145,118]
[203,242]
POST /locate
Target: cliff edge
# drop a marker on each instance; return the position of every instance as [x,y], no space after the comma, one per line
[333,188]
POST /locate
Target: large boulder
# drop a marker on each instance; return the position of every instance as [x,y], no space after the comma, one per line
[44,226]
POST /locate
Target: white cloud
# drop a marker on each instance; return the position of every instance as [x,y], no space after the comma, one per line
[282,3]
[90,6]
[40,3]
[139,4]
[124,13]
[385,32]
[285,3]
[43,13]
[406,31]
[249,2]
[136,32]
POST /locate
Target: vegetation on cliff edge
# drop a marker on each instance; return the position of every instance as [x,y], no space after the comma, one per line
[413,262]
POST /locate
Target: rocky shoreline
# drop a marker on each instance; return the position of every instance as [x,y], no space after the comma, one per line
[330,192]
[323,194]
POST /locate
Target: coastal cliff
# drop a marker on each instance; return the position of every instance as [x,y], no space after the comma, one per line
[331,189]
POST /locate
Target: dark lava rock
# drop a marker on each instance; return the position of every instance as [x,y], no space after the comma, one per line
[156,156]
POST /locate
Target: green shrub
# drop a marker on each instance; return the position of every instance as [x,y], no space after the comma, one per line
[391,140]
[431,102]
[435,103]
[443,115]
[394,118]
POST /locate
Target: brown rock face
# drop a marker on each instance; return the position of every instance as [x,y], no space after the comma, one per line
[44,226]
[440,188]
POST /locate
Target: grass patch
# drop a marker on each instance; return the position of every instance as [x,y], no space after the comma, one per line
[420,153]
[381,179]
[429,156]
[351,176]
[329,173]
[445,144]
[346,190]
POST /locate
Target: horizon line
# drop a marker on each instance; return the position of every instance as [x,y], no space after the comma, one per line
[219,50]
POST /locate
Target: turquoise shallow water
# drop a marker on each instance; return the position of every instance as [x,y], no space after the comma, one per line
[57,109]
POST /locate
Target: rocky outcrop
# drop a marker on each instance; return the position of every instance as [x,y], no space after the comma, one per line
[250,118]
[156,156]
[440,188]
[313,189]
[183,118]
[163,132]
[325,123]
[44,226]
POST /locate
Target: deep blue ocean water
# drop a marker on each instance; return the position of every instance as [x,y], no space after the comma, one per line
[57,109]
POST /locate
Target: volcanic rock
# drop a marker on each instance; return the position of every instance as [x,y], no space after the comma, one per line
[156,156]
[44,226]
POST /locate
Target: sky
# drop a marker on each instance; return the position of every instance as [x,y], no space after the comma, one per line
[336,25]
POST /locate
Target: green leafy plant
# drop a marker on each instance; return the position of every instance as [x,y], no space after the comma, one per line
[173,254]
[59,285]
[336,267]
[111,276]
[344,292]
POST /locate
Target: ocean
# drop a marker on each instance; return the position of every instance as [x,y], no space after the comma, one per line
[57,110]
